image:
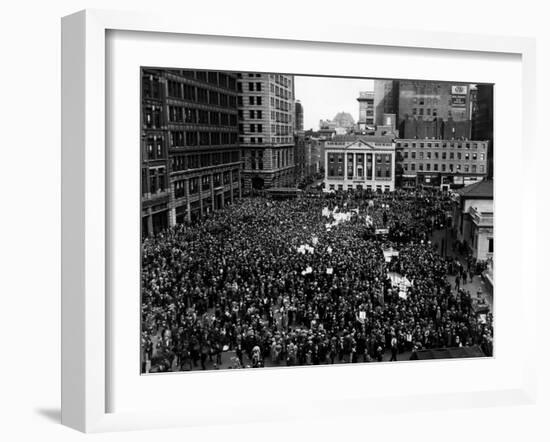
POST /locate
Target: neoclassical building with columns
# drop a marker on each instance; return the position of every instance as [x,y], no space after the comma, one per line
[360,163]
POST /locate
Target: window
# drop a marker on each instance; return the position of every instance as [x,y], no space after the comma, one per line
[258,87]
[490,245]
[259,101]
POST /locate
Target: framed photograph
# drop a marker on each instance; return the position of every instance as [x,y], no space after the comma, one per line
[280,223]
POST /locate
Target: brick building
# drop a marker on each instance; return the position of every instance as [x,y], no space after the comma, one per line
[452,163]
[266,111]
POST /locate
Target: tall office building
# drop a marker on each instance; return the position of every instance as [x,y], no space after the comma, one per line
[190,153]
[421,100]
[154,153]
[366,110]
[427,100]
[386,94]
[266,111]
[482,120]
[299,111]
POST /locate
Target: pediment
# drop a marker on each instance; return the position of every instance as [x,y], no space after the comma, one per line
[360,144]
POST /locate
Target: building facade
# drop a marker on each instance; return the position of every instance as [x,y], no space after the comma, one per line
[191,161]
[360,162]
[482,119]
[451,163]
[426,100]
[266,110]
[366,110]
[386,99]
[154,154]
[473,219]
[299,115]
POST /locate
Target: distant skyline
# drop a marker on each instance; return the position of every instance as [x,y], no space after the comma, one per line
[323,97]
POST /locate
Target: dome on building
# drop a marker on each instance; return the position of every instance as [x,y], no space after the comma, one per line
[344,119]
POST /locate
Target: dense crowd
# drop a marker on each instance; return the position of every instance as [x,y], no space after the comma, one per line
[238,282]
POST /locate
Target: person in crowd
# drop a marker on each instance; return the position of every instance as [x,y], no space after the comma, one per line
[242,280]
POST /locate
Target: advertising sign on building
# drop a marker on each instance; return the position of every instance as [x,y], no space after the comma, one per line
[458,100]
[459,90]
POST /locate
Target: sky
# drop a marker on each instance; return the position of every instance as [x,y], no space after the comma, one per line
[323,97]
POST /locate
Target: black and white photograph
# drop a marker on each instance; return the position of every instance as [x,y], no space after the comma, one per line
[291,220]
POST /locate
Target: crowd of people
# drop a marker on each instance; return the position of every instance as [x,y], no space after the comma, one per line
[241,282]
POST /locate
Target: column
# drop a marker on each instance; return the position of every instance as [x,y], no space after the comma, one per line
[150,224]
[187,201]
[212,192]
[354,166]
[240,184]
[373,167]
[231,185]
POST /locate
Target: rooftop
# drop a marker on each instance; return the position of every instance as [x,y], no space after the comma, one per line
[481,189]
[366,138]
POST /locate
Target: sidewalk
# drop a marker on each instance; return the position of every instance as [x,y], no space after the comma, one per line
[443,239]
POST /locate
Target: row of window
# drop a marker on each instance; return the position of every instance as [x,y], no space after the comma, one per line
[152,117]
[180,114]
[180,138]
[339,157]
[251,140]
[251,128]
[429,154]
[252,100]
[154,148]
[196,161]
[281,117]
[150,86]
[443,144]
[252,114]
[279,104]
[280,79]
[378,188]
[279,91]
[204,183]
[153,180]
[381,172]
[466,168]
[192,93]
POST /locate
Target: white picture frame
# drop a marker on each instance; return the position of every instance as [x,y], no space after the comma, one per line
[85,307]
